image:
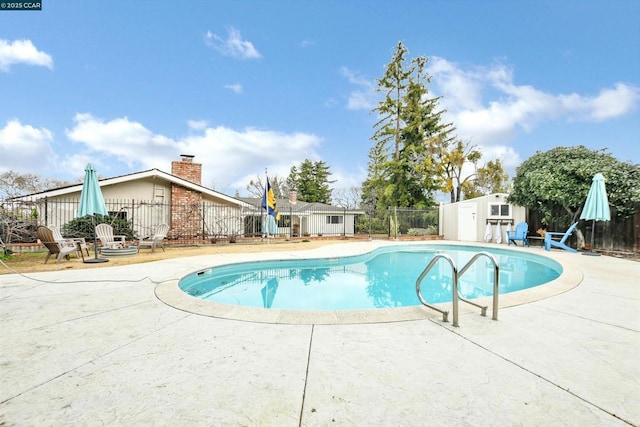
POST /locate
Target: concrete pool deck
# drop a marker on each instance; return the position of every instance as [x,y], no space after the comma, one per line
[88,347]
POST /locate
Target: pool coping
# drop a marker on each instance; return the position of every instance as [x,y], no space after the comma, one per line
[169,293]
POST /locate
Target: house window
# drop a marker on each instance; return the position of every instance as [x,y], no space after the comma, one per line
[158,193]
[118,214]
[335,219]
[499,210]
[284,221]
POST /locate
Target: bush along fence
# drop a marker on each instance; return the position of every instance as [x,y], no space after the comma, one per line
[208,222]
[617,235]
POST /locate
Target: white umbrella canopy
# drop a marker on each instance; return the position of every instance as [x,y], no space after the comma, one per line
[596,207]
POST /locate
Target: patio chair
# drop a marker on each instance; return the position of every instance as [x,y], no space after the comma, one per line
[157,239]
[104,232]
[549,239]
[60,248]
[81,244]
[518,235]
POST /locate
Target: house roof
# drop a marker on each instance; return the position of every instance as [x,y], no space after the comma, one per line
[285,206]
[150,173]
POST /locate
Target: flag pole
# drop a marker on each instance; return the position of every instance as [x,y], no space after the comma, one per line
[266,201]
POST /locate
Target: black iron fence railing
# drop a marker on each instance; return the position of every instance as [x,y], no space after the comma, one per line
[210,222]
[207,221]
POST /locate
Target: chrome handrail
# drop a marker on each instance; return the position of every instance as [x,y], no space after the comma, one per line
[455,294]
[496,276]
[445,313]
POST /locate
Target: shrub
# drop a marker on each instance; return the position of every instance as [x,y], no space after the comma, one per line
[85,226]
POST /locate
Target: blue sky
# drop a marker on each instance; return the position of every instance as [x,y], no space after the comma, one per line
[249,85]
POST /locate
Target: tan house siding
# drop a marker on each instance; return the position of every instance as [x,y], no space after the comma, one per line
[141,189]
[149,198]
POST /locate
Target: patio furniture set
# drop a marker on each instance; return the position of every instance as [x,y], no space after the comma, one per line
[110,245]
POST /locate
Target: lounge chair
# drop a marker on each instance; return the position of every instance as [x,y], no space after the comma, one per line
[81,244]
[104,232]
[549,239]
[60,248]
[157,239]
[519,234]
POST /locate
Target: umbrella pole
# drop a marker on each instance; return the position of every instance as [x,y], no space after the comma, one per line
[593,231]
[95,247]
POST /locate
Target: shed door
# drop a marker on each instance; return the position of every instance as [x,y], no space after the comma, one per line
[468,222]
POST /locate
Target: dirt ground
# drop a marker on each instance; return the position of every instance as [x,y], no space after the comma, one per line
[34,262]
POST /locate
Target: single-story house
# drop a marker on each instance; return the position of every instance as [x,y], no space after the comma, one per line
[471,220]
[153,197]
[299,218]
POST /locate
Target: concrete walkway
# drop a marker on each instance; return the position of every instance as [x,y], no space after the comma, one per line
[94,347]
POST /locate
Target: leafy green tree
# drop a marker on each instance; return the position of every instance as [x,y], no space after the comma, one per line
[452,164]
[407,137]
[490,178]
[311,181]
[559,180]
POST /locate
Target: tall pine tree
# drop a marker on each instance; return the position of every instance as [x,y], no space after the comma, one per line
[409,137]
[311,181]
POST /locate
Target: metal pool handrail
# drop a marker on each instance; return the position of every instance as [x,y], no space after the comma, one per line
[496,277]
[456,295]
[445,314]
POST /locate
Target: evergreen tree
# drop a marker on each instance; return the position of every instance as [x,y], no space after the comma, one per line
[408,137]
[311,180]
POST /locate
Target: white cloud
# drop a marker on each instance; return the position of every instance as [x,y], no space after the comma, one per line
[197,124]
[25,148]
[233,45]
[236,87]
[130,142]
[230,158]
[511,107]
[609,103]
[363,98]
[22,52]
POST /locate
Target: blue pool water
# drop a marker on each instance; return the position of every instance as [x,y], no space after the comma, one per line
[385,277]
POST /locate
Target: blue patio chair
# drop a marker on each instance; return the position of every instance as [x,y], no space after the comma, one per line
[550,236]
[519,234]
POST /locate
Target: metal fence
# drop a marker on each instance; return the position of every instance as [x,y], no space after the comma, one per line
[207,221]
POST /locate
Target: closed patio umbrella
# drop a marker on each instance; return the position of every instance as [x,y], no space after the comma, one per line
[269,292]
[91,203]
[270,227]
[596,207]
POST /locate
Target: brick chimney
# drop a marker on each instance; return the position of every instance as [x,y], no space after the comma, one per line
[186,169]
[186,204]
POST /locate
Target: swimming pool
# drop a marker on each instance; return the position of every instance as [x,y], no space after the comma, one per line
[382,278]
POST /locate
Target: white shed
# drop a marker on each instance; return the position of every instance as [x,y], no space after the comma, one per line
[470,220]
